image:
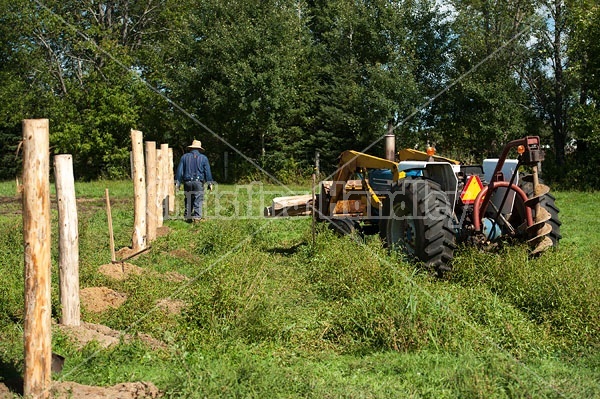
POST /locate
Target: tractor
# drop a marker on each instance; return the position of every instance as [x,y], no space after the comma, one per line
[424,204]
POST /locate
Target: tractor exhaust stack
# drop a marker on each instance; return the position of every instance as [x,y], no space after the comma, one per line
[390,146]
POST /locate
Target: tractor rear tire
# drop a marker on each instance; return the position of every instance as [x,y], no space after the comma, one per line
[417,219]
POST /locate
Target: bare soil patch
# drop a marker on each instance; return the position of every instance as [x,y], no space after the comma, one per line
[5,393]
[162,231]
[127,253]
[13,205]
[120,271]
[183,254]
[125,390]
[99,299]
[105,336]
[171,306]
[85,333]
[73,390]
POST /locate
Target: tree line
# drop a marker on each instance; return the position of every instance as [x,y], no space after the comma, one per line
[273,82]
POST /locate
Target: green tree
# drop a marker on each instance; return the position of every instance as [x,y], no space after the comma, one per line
[380,62]
[485,105]
[22,92]
[584,55]
[79,64]
[547,79]
[243,72]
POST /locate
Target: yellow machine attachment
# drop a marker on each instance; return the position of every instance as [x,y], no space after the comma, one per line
[345,196]
[353,161]
[414,155]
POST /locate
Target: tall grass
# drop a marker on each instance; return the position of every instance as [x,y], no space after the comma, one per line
[272,314]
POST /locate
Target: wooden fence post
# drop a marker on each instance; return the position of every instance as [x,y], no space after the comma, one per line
[111,235]
[37,331]
[68,240]
[171,181]
[151,219]
[159,189]
[164,149]
[139,191]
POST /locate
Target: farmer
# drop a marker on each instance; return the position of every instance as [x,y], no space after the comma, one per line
[193,171]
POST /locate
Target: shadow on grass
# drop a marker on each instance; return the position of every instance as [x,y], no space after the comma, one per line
[10,376]
[286,251]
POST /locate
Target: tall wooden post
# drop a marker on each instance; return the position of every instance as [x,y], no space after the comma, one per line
[164,149]
[139,191]
[159,189]
[151,218]
[68,240]
[111,235]
[36,237]
[171,181]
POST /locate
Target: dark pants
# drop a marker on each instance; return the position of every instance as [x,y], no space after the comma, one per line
[194,196]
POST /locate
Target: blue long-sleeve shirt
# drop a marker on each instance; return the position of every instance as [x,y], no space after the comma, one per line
[193,166]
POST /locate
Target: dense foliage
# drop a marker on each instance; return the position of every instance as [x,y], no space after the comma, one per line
[276,81]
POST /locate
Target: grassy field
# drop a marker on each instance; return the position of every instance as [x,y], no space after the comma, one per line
[270,314]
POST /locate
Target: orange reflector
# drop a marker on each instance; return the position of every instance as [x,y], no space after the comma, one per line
[471,189]
[430,151]
[521,149]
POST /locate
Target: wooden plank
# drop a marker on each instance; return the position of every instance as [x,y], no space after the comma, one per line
[297,205]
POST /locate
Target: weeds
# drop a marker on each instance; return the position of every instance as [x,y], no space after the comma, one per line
[269,314]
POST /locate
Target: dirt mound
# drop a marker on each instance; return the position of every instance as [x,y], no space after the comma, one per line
[104,336]
[126,390]
[88,332]
[99,299]
[183,254]
[172,306]
[125,253]
[162,231]
[120,271]
[5,392]
[73,390]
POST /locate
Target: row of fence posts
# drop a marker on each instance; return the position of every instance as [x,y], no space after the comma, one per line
[154,199]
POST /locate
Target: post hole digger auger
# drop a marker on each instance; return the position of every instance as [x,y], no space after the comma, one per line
[424,205]
[535,207]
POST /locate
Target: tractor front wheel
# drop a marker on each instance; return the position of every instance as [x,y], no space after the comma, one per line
[343,226]
[417,219]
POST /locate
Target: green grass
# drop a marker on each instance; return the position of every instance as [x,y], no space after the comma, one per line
[270,314]
[580,217]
